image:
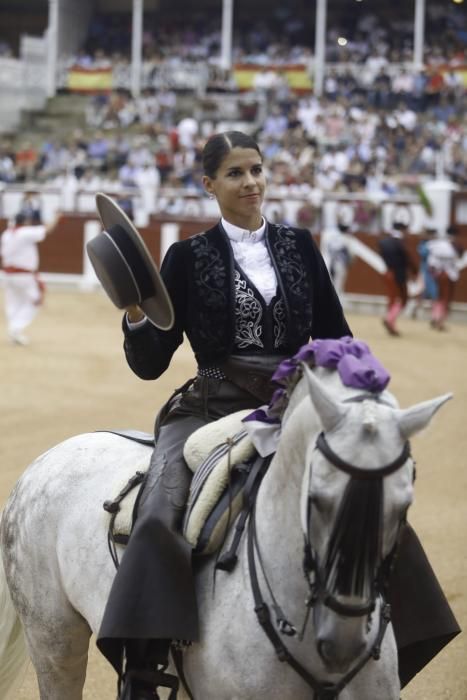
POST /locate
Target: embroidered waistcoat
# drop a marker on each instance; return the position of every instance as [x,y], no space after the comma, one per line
[258,326]
[230,315]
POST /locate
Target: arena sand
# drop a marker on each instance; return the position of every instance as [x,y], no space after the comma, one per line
[73,378]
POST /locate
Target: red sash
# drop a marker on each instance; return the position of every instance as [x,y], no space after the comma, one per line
[12,270]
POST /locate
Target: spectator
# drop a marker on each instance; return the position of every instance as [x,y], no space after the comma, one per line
[27,158]
[30,207]
[147,178]
[187,129]
[336,250]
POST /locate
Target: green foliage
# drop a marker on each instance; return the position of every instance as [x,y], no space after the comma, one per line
[424,201]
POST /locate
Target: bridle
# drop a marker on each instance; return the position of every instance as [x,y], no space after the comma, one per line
[316,581]
[312,566]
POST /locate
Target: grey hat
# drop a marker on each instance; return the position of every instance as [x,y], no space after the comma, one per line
[125,268]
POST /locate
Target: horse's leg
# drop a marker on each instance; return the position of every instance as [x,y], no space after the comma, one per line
[59,651]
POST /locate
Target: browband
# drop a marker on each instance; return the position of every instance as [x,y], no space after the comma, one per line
[360,472]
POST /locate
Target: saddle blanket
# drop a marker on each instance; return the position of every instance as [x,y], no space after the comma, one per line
[219,454]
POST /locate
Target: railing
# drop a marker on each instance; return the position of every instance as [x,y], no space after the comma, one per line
[181,213]
[313,211]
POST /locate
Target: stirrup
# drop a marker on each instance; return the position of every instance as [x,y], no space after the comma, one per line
[136,685]
[167,680]
[152,679]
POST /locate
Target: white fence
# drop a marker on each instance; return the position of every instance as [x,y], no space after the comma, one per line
[321,208]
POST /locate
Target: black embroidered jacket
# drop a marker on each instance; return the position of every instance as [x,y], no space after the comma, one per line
[202,280]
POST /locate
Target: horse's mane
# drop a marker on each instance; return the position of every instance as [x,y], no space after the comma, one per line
[354,544]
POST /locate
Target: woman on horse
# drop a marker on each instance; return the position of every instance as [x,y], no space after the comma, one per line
[246,293]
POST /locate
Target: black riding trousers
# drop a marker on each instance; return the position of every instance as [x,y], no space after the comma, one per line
[153,593]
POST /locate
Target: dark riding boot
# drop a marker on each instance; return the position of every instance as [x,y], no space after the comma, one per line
[147,660]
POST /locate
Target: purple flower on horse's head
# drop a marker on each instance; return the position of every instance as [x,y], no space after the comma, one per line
[355,347]
[327,353]
[284,371]
[363,372]
[305,354]
[352,358]
[278,402]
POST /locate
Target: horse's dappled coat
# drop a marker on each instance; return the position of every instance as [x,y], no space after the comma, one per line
[69,603]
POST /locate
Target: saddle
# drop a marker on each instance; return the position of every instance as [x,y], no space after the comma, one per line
[225,466]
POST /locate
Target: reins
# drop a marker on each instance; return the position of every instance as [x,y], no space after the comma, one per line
[323,690]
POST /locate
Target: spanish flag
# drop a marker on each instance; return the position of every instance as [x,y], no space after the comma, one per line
[297,75]
[460,70]
[89,80]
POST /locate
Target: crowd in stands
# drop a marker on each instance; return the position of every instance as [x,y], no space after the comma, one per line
[378,126]
[370,43]
[349,139]
[286,36]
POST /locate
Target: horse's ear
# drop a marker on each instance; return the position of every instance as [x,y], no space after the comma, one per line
[329,410]
[412,420]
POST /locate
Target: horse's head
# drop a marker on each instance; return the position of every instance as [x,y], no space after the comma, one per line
[358,486]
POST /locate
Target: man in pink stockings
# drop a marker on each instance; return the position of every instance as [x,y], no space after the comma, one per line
[400,266]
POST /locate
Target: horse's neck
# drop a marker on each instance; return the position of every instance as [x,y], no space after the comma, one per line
[278,503]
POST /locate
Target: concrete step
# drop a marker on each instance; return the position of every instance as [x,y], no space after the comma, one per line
[67,104]
[55,121]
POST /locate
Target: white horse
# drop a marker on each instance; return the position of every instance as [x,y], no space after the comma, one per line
[339,500]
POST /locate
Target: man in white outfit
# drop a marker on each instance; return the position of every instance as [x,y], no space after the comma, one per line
[336,249]
[444,254]
[23,290]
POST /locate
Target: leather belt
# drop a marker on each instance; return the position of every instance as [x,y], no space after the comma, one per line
[252,373]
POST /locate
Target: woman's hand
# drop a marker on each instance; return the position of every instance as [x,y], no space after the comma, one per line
[135,314]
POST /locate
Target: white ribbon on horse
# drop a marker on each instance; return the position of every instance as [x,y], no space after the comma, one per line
[263,430]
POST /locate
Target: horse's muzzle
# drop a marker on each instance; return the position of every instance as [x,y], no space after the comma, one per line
[338,657]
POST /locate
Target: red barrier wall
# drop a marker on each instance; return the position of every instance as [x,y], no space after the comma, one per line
[62,251]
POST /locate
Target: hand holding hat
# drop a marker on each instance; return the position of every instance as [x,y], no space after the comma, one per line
[134,313]
[125,268]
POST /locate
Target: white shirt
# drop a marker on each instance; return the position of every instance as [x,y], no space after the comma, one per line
[18,246]
[442,256]
[250,252]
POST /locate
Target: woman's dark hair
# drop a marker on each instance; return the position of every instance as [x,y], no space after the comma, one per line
[220,145]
